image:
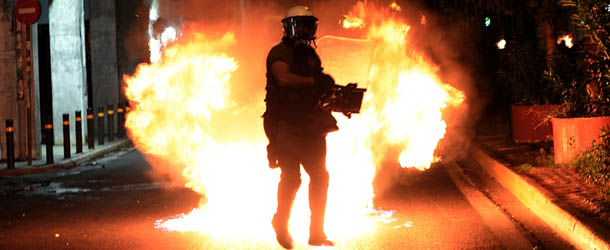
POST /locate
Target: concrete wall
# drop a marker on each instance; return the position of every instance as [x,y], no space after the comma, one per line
[8,72]
[104,66]
[67,31]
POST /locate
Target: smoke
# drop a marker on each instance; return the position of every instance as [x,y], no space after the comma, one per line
[454,50]
[132,18]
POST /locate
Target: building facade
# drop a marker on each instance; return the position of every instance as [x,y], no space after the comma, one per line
[74,49]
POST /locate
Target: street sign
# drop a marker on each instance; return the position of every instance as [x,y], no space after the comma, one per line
[27,11]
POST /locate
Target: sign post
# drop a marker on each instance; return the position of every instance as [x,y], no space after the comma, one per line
[27,12]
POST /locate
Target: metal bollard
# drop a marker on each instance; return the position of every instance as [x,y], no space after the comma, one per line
[78,125]
[50,140]
[10,146]
[90,129]
[66,123]
[110,123]
[100,128]
[120,121]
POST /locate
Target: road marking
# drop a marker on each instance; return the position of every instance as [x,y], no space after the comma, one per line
[497,221]
[136,187]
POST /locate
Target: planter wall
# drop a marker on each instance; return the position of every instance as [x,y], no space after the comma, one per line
[527,123]
[572,135]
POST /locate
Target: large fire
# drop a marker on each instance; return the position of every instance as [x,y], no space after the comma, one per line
[185,113]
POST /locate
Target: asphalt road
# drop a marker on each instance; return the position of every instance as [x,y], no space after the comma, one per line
[114,203]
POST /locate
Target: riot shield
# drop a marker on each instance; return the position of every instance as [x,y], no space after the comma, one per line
[347,60]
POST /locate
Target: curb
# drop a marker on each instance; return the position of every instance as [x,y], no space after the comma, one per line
[564,223]
[498,222]
[69,164]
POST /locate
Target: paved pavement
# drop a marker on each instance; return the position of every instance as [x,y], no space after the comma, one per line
[59,162]
[578,229]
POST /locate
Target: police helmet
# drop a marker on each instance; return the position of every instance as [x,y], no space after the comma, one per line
[300,24]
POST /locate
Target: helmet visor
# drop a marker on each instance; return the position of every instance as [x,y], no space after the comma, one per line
[301,27]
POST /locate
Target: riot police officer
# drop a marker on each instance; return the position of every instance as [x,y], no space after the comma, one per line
[295,124]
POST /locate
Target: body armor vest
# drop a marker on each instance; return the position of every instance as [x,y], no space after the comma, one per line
[290,102]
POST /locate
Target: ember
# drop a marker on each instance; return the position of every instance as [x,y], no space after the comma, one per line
[567,39]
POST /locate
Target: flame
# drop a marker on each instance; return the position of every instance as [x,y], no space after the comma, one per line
[394,6]
[185,112]
[351,22]
[406,98]
[354,18]
[567,39]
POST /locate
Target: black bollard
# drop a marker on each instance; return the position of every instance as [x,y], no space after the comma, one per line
[66,136]
[10,146]
[90,129]
[50,140]
[78,125]
[100,128]
[110,123]
[120,121]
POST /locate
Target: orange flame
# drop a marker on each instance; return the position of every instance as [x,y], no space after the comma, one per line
[184,112]
[567,39]
[354,18]
[406,96]
[394,6]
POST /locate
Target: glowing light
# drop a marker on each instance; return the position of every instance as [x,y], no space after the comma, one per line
[154,45]
[423,20]
[168,35]
[394,6]
[351,22]
[501,44]
[567,39]
[487,21]
[355,17]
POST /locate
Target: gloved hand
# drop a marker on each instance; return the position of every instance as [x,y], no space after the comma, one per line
[324,81]
[272,157]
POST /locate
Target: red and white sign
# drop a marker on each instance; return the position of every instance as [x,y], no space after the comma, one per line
[27,11]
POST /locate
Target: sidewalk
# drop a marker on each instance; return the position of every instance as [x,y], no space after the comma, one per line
[559,196]
[40,165]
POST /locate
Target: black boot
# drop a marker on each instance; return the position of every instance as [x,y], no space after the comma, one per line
[281,233]
[318,188]
[287,189]
[319,239]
